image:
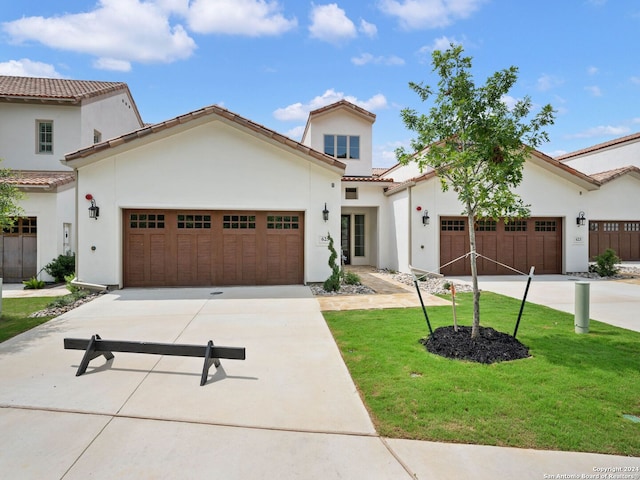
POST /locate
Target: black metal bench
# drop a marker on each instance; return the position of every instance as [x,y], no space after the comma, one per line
[96,346]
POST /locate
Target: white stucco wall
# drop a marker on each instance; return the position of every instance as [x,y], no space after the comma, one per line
[207,166]
[608,158]
[19,135]
[618,199]
[342,122]
[112,115]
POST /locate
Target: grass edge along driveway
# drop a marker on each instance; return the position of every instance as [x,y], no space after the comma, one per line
[570,395]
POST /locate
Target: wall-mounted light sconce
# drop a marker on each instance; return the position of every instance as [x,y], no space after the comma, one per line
[325,212]
[94,210]
[425,217]
[580,219]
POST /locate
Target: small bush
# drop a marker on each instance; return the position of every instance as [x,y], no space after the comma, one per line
[62,266]
[351,278]
[332,284]
[68,279]
[605,265]
[33,284]
[68,299]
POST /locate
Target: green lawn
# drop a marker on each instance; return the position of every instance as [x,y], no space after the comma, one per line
[15,315]
[570,395]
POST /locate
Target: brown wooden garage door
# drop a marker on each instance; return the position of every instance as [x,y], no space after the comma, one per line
[621,236]
[201,248]
[18,251]
[520,244]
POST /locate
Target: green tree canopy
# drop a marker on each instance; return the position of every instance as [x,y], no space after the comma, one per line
[10,195]
[475,141]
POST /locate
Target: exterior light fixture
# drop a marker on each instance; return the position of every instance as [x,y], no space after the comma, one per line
[425,217]
[94,210]
[580,219]
[325,212]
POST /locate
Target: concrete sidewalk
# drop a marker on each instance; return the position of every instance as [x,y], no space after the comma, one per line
[289,411]
[616,302]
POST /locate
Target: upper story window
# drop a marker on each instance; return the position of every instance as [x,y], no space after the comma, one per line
[45,136]
[97,136]
[342,146]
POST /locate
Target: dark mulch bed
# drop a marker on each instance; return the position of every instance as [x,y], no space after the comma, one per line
[489,347]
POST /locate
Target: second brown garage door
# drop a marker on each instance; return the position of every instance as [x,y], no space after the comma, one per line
[203,248]
[519,244]
[623,237]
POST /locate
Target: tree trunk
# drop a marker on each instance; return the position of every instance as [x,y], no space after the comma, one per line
[475,330]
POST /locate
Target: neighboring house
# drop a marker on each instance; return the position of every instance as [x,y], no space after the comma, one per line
[212,198]
[41,120]
[616,165]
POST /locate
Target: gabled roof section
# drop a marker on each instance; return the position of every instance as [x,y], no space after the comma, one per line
[344,104]
[147,132]
[32,179]
[372,179]
[341,104]
[604,177]
[564,171]
[601,146]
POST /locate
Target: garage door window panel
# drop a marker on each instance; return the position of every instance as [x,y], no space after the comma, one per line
[146,220]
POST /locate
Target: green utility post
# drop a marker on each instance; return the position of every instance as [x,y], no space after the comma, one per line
[582,307]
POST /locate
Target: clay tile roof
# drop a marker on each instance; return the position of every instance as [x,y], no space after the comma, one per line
[30,88]
[346,104]
[41,179]
[600,146]
[367,179]
[221,112]
[604,177]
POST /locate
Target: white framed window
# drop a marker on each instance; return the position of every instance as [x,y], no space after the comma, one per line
[44,136]
[97,136]
[342,146]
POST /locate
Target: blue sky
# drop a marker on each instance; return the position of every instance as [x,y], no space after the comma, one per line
[273,61]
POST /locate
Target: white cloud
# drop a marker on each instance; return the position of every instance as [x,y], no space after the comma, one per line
[547,82]
[330,23]
[115,31]
[300,111]
[509,101]
[594,90]
[635,80]
[28,68]
[112,64]
[366,58]
[601,131]
[296,132]
[442,43]
[592,70]
[252,18]
[417,14]
[369,29]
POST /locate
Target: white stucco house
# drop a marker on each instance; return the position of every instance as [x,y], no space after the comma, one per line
[613,220]
[212,198]
[40,120]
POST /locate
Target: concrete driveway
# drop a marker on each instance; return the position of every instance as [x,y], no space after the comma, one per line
[610,301]
[289,411]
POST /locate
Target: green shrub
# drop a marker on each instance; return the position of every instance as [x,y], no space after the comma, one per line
[33,284]
[351,278]
[62,266]
[68,299]
[68,279]
[332,284]
[605,265]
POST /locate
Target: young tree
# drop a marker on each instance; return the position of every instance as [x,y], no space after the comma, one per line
[10,195]
[476,143]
